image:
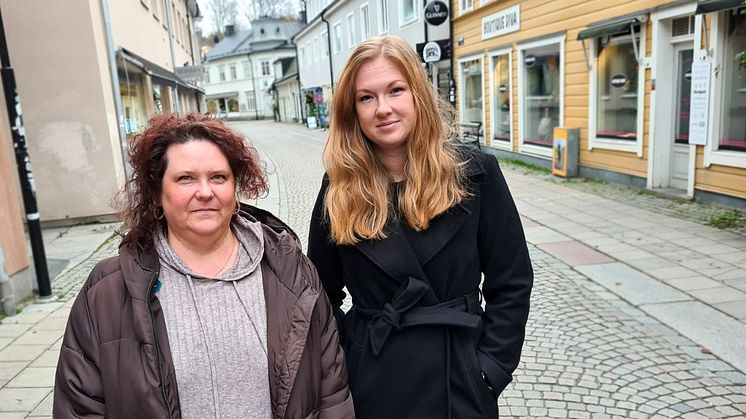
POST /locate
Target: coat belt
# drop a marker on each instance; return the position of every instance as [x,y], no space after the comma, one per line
[402,311]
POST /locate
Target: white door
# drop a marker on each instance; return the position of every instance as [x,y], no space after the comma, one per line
[679,171]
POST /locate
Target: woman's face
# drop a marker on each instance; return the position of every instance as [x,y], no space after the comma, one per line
[384,105]
[198,191]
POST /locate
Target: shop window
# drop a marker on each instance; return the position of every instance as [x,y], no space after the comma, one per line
[365,21]
[541,93]
[337,37]
[471,109]
[133,101]
[501,98]
[733,116]
[383,16]
[350,30]
[408,11]
[617,80]
[233,104]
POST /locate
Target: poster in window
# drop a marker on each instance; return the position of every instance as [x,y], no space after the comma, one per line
[700,102]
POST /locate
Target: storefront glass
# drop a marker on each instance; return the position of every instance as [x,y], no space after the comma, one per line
[133,101]
[616,88]
[541,93]
[501,105]
[471,92]
[733,132]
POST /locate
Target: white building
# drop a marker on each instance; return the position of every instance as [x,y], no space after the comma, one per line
[335,28]
[239,69]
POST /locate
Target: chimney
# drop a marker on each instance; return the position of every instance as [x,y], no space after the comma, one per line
[229,30]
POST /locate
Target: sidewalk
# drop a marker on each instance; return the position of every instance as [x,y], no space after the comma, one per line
[689,276]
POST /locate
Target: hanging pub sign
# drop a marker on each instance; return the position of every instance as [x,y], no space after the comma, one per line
[436,12]
[618,80]
[434,51]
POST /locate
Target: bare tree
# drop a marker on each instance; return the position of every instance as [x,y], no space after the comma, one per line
[222,12]
[253,9]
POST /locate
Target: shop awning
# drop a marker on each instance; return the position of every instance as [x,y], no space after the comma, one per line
[159,73]
[610,27]
[707,6]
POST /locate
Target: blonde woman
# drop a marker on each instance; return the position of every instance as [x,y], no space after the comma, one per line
[409,222]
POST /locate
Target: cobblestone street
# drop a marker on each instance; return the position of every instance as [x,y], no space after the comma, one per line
[625,323]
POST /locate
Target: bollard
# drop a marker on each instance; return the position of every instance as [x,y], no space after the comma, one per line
[7,299]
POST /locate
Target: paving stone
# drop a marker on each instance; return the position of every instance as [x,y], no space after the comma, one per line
[21,399]
[21,352]
[44,409]
[34,377]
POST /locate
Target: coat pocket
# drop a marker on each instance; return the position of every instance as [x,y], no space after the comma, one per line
[482,393]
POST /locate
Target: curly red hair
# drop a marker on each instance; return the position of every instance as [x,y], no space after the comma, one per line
[140,199]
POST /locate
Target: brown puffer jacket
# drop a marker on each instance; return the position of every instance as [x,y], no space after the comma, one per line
[115,359]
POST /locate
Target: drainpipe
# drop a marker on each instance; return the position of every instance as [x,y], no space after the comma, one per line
[253,86]
[300,91]
[7,299]
[329,46]
[114,76]
[173,54]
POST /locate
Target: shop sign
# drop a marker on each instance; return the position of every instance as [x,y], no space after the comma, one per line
[618,80]
[191,73]
[503,88]
[434,51]
[436,12]
[700,102]
[501,23]
[529,61]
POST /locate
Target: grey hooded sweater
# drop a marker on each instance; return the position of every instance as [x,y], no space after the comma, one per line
[217,331]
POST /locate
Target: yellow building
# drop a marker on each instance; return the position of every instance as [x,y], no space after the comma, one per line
[657,89]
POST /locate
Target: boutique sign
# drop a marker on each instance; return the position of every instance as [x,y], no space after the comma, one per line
[501,23]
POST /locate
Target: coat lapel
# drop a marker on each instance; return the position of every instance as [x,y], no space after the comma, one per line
[395,257]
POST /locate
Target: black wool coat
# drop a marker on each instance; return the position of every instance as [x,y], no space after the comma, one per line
[418,342]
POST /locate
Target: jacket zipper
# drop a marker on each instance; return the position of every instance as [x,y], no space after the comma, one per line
[157,346]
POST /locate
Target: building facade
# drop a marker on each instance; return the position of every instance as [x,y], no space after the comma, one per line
[286,91]
[87,82]
[335,28]
[239,70]
[656,88]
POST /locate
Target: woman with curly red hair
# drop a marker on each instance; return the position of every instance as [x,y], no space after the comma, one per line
[210,310]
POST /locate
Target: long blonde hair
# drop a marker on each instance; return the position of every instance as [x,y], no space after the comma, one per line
[357,199]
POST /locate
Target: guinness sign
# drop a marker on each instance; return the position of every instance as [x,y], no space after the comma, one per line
[436,12]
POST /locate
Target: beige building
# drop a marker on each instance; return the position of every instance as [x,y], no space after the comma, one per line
[90,74]
[655,87]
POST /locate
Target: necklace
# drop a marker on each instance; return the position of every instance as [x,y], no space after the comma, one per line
[230,256]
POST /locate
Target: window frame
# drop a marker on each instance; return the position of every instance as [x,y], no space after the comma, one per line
[464,8]
[713,155]
[221,72]
[529,148]
[364,24]
[338,37]
[325,44]
[491,55]
[611,143]
[266,66]
[462,90]
[415,17]
[351,42]
[384,26]
[232,71]
[247,70]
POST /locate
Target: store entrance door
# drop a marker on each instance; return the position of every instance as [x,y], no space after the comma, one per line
[679,170]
